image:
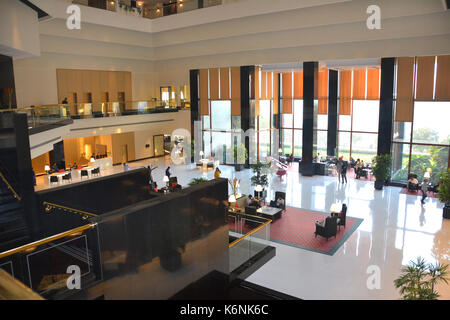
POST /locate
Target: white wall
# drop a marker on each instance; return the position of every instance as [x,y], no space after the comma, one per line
[19,30]
[36,82]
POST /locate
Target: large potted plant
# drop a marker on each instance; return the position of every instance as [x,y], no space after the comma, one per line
[260,171]
[444,192]
[418,280]
[381,169]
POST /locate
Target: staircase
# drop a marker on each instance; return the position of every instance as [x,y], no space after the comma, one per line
[13,229]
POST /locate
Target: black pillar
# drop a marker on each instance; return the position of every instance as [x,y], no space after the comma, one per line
[25,173]
[332,112]
[195,105]
[7,87]
[246,114]
[310,77]
[386,106]
[58,155]
[200,4]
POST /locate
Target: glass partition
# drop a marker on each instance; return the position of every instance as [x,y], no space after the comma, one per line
[252,234]
[54,266]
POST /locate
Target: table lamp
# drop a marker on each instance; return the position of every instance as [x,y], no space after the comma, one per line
[335,208]
[92,159]
[201,154]
[232,199]
[259,190]
[166,180]
[47,168]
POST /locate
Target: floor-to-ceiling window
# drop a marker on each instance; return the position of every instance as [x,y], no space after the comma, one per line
[264,131]
[292,130]
[358,132]
[423,144]
[217,129]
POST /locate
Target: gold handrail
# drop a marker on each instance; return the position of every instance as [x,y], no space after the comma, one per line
[45,203]
[13,289]
[16,195]
[251,232]
[46,240]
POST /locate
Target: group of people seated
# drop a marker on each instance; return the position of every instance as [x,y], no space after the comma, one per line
[359,167]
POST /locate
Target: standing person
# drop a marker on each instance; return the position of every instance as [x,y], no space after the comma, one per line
[344,171]
[339,169]
[168,172]
[424,190]
[150,176]
[217,173]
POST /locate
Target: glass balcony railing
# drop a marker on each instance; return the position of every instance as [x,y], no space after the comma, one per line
[250,234]
[39,116]
[54,266]
[151,9]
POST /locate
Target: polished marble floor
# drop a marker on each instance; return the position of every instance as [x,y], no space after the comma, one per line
[395,230]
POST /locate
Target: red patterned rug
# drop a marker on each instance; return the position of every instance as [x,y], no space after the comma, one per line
[419,193]
[296,228]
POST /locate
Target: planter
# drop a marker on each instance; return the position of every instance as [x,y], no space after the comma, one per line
[379,185]
[446,214]
[238,167]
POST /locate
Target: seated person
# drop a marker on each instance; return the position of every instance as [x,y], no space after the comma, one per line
[413,183]
[252,202]
[279,203]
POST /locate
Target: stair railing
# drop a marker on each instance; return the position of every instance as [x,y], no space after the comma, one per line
[8,185]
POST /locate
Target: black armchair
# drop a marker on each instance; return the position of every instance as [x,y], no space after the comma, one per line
[278,195]
[342,216]
[84,173]
[328,228]
[67,177]
[96,171]
[54,179]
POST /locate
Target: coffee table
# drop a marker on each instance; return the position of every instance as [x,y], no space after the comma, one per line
[270,213]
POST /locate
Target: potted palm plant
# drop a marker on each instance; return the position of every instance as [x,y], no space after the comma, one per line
[444,192]
[418,280]
[381,169]
[260,171]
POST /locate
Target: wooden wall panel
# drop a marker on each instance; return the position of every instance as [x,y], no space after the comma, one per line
[345,87]
[269,85]
[359,84]
[443,78]
[405,90]
[276,94]
[425,78]
[224,83]
[323,91]
[298,85]
[119,140]
[235,91]
[287,79]
[286,105]
[95,82]
[204,91]
[373,84]
[214,84]
[39,163]
[263,86]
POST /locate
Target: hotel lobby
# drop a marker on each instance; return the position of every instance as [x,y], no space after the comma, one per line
[289,151]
